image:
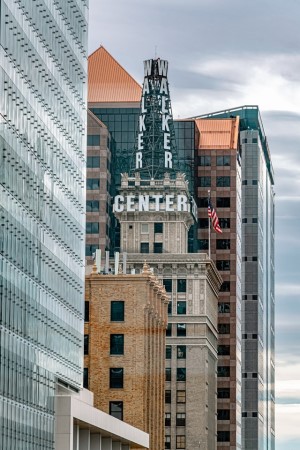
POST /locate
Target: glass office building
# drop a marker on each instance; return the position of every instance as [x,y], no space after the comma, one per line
[42,175]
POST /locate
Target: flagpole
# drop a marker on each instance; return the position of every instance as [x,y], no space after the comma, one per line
[209,229]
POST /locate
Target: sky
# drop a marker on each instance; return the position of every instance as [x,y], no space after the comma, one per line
[224,54]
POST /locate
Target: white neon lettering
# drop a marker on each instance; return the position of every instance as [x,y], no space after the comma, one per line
[162,67]
[138,160]
[169,202]
[148,67]
[167,138]
[143,202]
[144,110]
[146,89]
[130,203]
[164,87]
[182,203]
[142,123]
[140,141]
[164,108]
[164,122]
[118,203]
[157,198]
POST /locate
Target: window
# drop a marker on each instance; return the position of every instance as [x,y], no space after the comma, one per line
[181,285]
[224,222]
[224,308]
[223,392]
[86,311]
[223,264]
[167,442]
[92,184]
[181,307]
[93,162]
[203,223]
[181,374]
[223,244]
[116,378]
[223,181]
[158,227]
[223,436]
[204,181]
[245,220]
[93,140]
[244,182]
[225,286]
[90,249]
[223,371]
[180,419]
[180,441]
[168,397]
[203,244]
[116,410]
[158,247]
[144,247]
[180,396]
[204,160]
[169,330]
[244,141]
[144,228]
[168,374]
[117,311]
[167,282]
[86,344]
[86,378]
[223,414]
[167,419]
[254,220]
[92,206]
[92,227]
[254,182]
[117,344]
[224,350]
[254,140]
[224,328]
[169,308]
[202,202]
[168,351]
[223,202]
[223,160]
[181,329]
[181,351]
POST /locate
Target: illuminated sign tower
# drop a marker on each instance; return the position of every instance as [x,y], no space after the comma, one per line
[155,152]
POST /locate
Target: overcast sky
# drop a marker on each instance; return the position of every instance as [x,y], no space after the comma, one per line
[224,54]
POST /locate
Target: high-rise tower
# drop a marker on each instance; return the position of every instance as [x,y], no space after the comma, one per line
[42,191]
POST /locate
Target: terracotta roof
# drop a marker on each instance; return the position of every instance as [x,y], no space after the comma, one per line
[108,81]
[218,133]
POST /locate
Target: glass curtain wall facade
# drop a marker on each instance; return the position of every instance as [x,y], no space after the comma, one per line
[42,173]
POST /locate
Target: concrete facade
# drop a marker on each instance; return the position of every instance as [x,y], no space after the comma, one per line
[139,356]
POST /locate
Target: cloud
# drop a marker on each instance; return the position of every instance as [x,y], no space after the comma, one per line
[287,422]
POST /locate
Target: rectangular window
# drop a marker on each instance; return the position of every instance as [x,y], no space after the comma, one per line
[223,264]
[169,330]
[181,329]
[181,285]
[223,181]
[116,378]
[224,223]
[180,441]
[223,414]
[92,206]
[223,371]
[144,228]
[90,249]
[93,140]
[167,442]
[202,202]
[93,162]
[86,378]
[224,328]
[158,227]
[92,227]
[116,410]
[204,160]
[167,419]
[117,311]
[168,374]
[223,436]
[167,282]
[92,184]
[181,374]
[223,392]
[204,181]
[168,351]
[223,160]
[181,307]
[224,350]
[224,308]
[158,247]
[225,286]
[180,397]
[223,202]
[203,244]
[144,247]
[168,397]
[180,419]
[86,344]
[117,344]
[86,311]
[181,351]
[223,244]
[203,223]
[169,308]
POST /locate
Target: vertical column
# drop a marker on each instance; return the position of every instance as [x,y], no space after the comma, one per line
[84,439]
[106,444]
[76,437]
[96,442]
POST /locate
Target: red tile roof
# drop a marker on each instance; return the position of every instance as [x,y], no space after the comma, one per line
[218,133]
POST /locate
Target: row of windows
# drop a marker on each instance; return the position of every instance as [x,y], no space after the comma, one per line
[221,244]
[254,182]
[223,264]
[220,160]
[90,249]
[245,220]
[224,223]
[158,228]
[180,419]
[157,247]
[221,202]
[223,181]
[180,329]
[93,140]
[181,351]
[181,307]
[180,442]
[181,285]
[180,396]
[93,162]
[180,374]
[92,184]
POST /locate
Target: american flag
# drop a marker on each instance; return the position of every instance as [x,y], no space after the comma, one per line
[214,218]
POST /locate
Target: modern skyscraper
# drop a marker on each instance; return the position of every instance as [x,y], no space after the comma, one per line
[42,164]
